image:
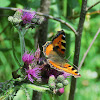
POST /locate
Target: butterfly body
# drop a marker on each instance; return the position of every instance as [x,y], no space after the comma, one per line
[54,50]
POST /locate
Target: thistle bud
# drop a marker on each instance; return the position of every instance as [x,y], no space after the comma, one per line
[61,90]
[65,82]
[10,18]
[15,20]
[59,85]
[51,79]
[60,78]
[52,85]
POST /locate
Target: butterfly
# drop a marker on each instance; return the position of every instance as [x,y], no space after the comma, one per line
[55,51]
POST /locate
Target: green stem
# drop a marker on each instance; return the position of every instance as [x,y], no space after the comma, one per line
[51,96]
[22,43]
[37,88]
[13,49]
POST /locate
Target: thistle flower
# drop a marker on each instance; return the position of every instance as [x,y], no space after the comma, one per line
[33,74]
[24,19]
[31,67]
[27,58]
[27,17]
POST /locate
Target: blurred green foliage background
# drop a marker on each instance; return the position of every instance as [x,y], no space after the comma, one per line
[88,86]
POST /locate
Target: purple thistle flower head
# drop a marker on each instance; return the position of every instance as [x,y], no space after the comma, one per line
[28,16]
[33,74]
[27,58]
[37,53]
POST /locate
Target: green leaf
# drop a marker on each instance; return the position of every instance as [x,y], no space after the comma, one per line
[4,3]
[80,2]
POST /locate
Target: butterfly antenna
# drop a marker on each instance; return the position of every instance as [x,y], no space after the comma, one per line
[70,55]
[71,62]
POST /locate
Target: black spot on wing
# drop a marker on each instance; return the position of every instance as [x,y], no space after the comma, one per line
[76,72]
[63,37]
[63,50]
[55,48]
[73,68]
[69,66]
[64,44]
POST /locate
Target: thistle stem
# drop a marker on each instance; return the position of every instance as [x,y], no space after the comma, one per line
[22,43]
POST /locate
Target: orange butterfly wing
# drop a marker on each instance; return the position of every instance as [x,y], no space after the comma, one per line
[59,42]
[67,68]
[47,48]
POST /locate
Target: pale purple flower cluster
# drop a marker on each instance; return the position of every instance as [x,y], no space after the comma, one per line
[33,73]
[25,19]
[31,67]
[28,58]
[28,16]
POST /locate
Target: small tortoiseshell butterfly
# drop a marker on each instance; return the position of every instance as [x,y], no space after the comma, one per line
[54,50]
